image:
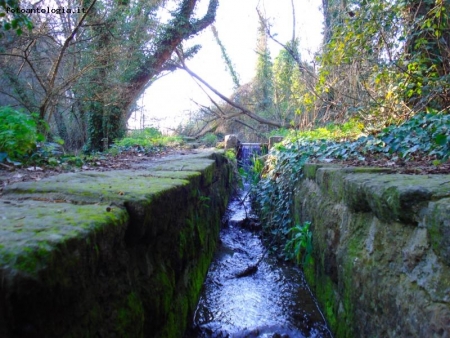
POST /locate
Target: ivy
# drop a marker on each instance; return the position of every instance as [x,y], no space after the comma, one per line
[426,134]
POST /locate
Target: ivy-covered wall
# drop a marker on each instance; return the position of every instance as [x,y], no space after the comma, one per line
[381,249]
[112,254]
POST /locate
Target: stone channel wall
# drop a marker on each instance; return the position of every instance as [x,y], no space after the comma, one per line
[112,254]
[381,249]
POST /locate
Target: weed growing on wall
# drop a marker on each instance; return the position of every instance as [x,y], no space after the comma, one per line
[273,195]
[299,246]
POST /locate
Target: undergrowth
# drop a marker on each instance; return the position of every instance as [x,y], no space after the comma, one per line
[18,134]
[22,145]
[148,139]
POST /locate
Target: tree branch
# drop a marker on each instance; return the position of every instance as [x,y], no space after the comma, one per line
[54,70]
[234,104]
[179,29]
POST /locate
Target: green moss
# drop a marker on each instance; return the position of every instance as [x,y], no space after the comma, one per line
[110,187]
[32,240]
[438,227]
[55,241]
[208,175]
[331,182]
[130,317]
[230,154]
[309,170]
[330,304]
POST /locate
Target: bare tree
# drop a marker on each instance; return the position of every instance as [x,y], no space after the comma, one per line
[87,70]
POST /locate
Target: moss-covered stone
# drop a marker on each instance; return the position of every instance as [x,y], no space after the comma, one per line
[373,273]
[130,317]
[110,254]
[438,224]
[32,231]
[394,196]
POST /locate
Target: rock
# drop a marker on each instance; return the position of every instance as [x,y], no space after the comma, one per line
[231,141]
[110,254]
[381,249]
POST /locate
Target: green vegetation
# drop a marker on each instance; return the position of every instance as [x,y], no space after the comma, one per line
[130,317]
[231,155]
[86,88]
[21,143]
[396,52]
[18,134]
[148,139]
[299,246]
[209,139]
[424,136]
[12,20]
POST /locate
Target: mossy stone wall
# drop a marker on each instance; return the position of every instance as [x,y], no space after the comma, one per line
[381,250]
[114,254]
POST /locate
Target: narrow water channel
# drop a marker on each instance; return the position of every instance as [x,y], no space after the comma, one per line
[273,301]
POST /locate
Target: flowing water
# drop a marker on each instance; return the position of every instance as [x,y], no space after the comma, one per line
[270,301]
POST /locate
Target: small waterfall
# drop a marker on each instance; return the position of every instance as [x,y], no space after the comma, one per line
[245,154]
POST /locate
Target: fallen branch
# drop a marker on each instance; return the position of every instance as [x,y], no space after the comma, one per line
[243,110]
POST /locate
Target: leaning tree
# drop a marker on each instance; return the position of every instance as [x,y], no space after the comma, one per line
[83,71]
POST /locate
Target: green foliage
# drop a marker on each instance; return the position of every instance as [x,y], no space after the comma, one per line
[230,154]
[274,193]
[209,139]
[148,138]
[11,19]
[299,246]
[252,174]
[289,83]
[18,133]
[279,132]
[229,65]
[256,169]
[264,72]
[351,129]
[386,61]
[426,134]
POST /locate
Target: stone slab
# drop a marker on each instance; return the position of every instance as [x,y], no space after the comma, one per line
[118,253]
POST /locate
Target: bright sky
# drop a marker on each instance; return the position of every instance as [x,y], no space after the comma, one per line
[168,100]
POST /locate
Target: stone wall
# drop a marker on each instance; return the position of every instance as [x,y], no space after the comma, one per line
[381,248]
[112,254]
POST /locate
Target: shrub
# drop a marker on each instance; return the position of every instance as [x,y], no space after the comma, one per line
[209,139]
[148,138]
[18,133]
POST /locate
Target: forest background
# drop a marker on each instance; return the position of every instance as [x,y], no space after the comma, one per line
[77,79]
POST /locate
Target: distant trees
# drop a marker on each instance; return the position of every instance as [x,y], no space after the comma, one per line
[272,100]
[84,71]
[263,82]
[382,60]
